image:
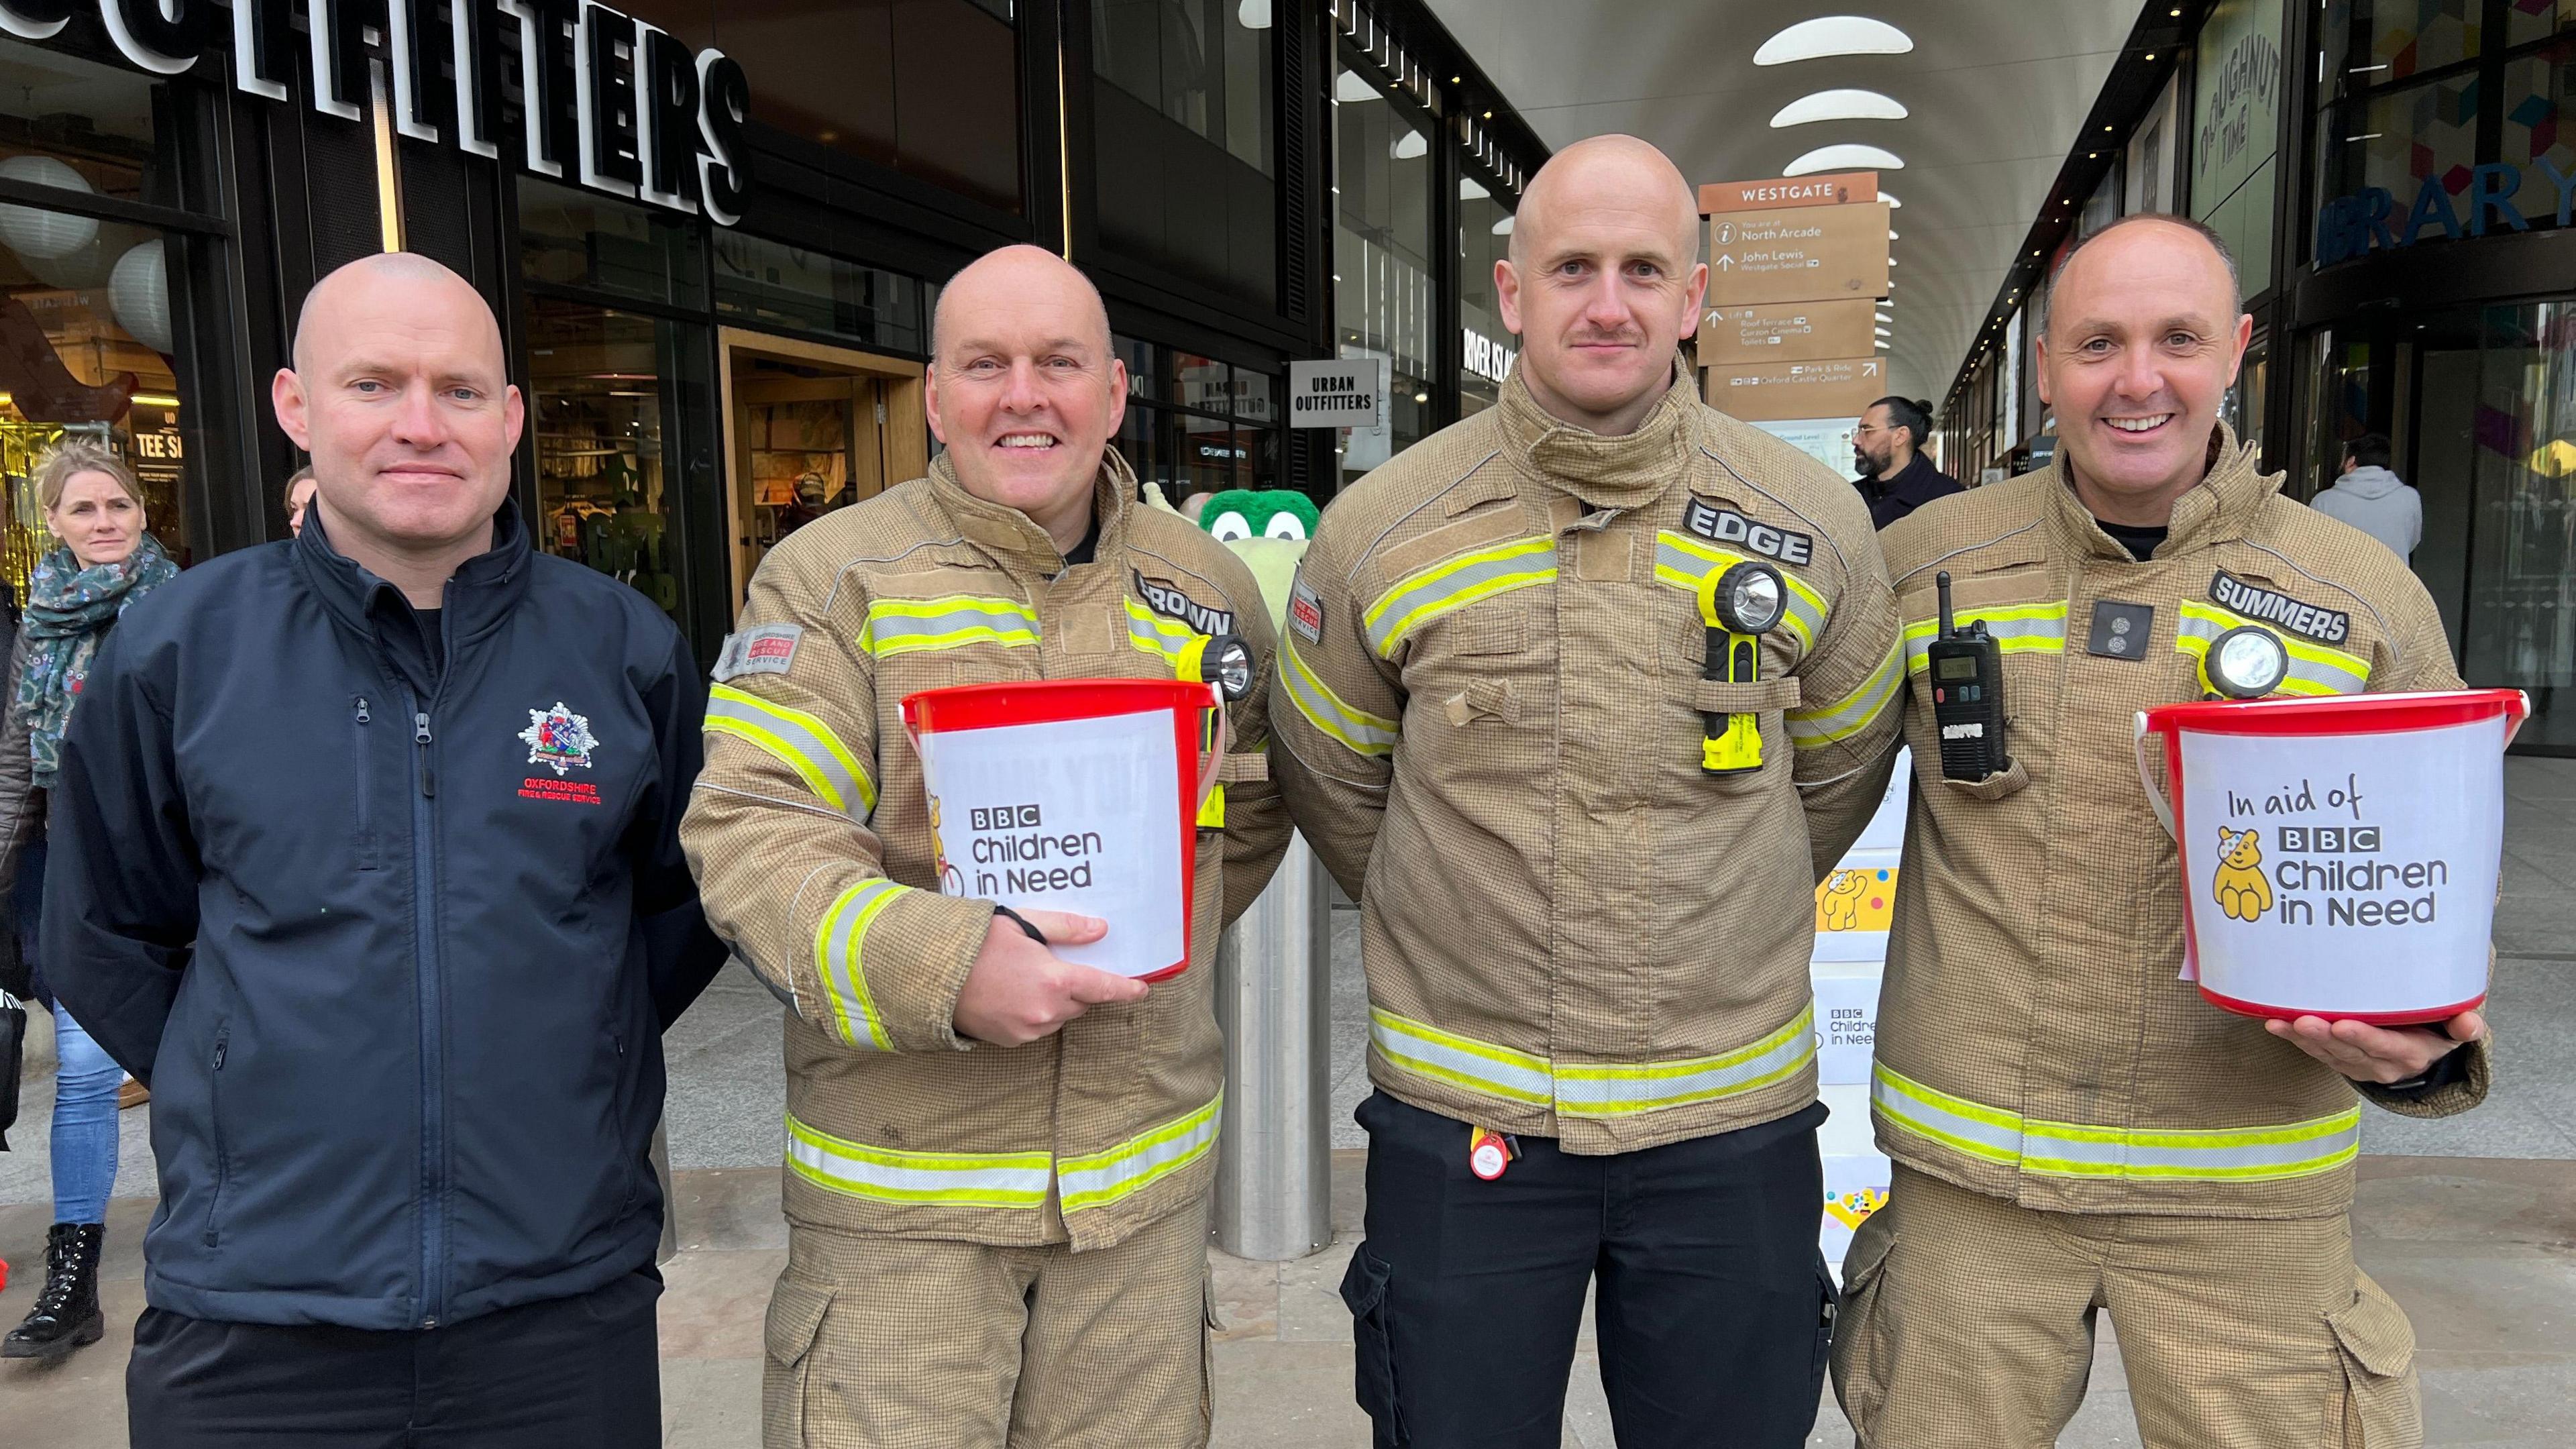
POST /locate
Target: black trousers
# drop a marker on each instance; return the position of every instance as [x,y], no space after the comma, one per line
[571,1373]
[1712,1311]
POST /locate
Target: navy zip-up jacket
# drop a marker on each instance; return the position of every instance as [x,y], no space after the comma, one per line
[393,947]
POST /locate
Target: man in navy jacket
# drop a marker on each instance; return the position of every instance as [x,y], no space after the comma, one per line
[367,860]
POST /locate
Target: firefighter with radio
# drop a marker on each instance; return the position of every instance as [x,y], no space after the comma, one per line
[1015,1148]
[2074,1128]
[1583,695]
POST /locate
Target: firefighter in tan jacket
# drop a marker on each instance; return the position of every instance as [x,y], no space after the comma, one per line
[2074,1128]
[1586,868]
[997,1162]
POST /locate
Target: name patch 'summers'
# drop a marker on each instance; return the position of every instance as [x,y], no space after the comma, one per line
[1166,599]
[1725,525]
[2326,626]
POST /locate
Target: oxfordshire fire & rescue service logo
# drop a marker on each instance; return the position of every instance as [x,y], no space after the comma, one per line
[559,738]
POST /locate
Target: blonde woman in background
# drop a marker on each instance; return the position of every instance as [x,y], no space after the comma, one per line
[103,561]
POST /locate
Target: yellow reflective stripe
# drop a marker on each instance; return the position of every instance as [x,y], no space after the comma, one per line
[2074,1149]
[1600,1091]
[837,957]
[1685,563]
[1102,1178]
[1212,813]
[906,626]
[928,1179]
[2314,669]
[800,741]
[1590,1089]
[1427,594]
[1357,730]
[2017,628]
[1154,634]
[1815,728]
[1428,1051]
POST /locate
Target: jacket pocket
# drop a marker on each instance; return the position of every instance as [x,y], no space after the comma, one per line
[621,1121]
[1373,1349]
[1858,1359]
[1828,1308]
[215,1132]
[2009,781]
[2380,1405]
[362,715]
[796,1312]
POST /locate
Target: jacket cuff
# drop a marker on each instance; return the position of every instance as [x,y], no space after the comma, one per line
[2454,1084]
[936,939]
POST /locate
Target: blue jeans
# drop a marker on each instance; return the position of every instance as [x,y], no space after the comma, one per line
[84,1145]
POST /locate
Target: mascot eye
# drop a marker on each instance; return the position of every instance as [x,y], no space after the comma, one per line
[1230,525]
[1285,525]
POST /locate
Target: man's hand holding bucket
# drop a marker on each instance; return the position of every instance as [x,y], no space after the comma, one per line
[1018,991]
[2379,1054]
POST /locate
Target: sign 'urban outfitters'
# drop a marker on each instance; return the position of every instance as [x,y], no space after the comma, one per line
[609,101]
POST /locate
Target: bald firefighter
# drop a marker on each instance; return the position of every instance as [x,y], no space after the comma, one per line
[1584,695]
[2076,1131]
[998,1161]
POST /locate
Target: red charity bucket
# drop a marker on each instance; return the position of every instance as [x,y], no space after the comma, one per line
[1073,795]
[2339,856]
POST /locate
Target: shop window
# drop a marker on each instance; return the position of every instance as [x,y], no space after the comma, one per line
[91,335]
[2529,20]
[604,409]
[2370,43]
[767,284]
[2537,127]
[1144,367]
[1487,347]
[577,239]
[2395,140]
[1384,301]
[1184,129]
[927,87]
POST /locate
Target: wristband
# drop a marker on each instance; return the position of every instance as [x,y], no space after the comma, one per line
[1016,919]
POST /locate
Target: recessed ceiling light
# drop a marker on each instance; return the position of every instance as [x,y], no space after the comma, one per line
[1891,233]
[2151,55]
[1844,105]
[1470,190]
[1890,198]
[1846,156]
[1410,146]
[1255,14]
[1453,80]
[1351,86]
[1503,227]
[1833,35]
[1891,261]
[1489,115]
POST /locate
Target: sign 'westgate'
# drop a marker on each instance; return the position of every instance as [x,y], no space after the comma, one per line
[607,101]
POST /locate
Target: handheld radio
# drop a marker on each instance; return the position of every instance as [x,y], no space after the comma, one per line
[1967,695]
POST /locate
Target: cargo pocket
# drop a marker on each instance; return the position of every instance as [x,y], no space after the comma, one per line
[1859,1364]
[1208,1325]
[1373,1352]
[2380,1406]
[1827,1308]
[796,1312]
[2004,782]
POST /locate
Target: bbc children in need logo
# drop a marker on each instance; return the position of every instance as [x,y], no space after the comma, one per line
[2333,866]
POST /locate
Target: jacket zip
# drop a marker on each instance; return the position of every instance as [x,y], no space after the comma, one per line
[367,860]
[433,1072]
[215,1117]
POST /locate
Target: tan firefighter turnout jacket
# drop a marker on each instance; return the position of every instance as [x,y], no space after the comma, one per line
[1491,733]
[810,837]
[2034,1042]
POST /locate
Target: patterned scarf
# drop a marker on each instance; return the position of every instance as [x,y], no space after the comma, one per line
[68,611]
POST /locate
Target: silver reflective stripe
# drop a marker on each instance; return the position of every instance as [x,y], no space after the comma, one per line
[1431,1052]
[902,626]
[1602,1091]
[1454,585]
[1357,730]
[929,1179]
[2314,668]
[837,953]
[1811,728]
[1686,564]
[1104,1178]
[1155,634]
[2068,1149]
[801,741]
[2016,627]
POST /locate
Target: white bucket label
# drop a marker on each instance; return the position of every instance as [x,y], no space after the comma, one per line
[1075,815]
[2344,874]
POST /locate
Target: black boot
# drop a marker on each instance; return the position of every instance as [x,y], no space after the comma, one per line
[66,1314]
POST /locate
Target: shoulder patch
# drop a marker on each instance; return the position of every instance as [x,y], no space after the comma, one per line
[2326,626]
[768,649]
[1720,524]
[1166,598]
[1306,611]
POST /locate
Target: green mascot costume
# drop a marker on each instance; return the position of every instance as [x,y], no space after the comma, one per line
[1268,530]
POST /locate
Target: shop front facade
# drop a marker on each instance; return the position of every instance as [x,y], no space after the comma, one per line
[714,234]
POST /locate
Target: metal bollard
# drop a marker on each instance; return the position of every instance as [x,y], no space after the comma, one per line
[1274,1169]
[661,1154]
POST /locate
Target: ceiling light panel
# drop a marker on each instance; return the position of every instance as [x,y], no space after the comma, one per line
[1833,35]
[1846,156]
[1846,105]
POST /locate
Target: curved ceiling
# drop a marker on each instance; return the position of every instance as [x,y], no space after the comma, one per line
[1995,91]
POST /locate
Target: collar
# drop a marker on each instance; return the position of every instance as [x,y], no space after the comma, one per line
[478,596]
[2219,507]
[1622,472]
[1014,540]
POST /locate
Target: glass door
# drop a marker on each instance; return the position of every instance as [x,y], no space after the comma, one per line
[811,428]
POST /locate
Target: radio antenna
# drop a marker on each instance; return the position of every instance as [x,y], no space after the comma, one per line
[1942,581]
